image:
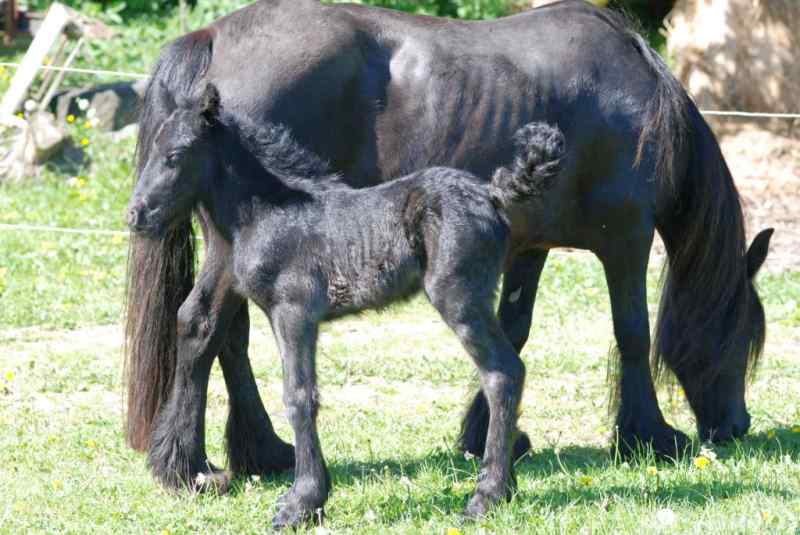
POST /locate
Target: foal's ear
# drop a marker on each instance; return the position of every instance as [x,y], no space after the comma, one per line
[210,104]
[164,95]
[757,252]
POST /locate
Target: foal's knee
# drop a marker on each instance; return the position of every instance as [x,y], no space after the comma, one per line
[193,325]
[301,406]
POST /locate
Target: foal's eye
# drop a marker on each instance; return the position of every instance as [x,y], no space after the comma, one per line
[173,158]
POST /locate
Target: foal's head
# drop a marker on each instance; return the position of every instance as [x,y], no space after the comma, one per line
[180,162]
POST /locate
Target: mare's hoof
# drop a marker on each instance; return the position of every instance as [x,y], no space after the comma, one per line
[666,442]
[727,430]
[522,445]
[276,459]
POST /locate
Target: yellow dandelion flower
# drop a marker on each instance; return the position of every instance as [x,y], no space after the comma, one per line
[2,69]
[20,115]
[701,462]
[9,375]
[585,481]
[70,118]
[91,444]
[57,484]
[770,434]
[166,532]
[454,531]
[117,239]
[652,471]
[87,124]
[765,516]
[85,141]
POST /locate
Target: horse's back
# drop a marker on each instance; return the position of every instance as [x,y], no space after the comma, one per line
[380,93]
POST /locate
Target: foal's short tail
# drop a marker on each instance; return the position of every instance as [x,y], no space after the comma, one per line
[538,158]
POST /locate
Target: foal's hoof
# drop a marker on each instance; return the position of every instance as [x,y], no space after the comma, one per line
[666,442]
[217,481]
[293,513]
[481,504]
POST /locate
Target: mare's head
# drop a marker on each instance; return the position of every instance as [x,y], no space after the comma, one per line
[720,404]
[180,163]
[719,352]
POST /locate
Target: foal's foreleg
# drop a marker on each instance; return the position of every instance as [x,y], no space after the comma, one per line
[296,335]
[177,453]
[520,284]
[252,444]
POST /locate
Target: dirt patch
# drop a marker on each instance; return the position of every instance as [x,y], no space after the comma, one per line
[766,167]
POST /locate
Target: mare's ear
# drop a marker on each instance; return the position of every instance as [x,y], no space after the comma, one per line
[210,104]
[757,252]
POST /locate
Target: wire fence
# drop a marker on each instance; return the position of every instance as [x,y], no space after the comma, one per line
[110,73]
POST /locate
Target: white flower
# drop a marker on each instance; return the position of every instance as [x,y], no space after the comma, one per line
[91,112]
[200,479]
[30,105]
[708,454]
[83,104]
[665,517]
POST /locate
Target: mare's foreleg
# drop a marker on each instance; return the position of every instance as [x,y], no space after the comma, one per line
[520,284]
[253,446]
[639,418]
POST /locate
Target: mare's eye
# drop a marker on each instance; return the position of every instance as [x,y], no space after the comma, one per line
[173,158]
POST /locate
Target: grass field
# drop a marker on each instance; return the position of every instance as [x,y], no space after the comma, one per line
[393,387]
[393,384]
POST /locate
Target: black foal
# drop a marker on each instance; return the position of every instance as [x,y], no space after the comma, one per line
[306,250]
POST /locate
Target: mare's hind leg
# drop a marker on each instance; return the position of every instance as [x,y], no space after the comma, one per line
[520,283]
[253,446]
[468,311]
[639,419]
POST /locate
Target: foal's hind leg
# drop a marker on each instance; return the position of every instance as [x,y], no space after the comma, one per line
[639,420]
[515,313]
[252,444]
[469,313]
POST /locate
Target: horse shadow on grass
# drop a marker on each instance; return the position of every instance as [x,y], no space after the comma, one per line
[570,465]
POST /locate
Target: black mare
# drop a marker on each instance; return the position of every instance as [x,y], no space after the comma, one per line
[379,94]
[306,248]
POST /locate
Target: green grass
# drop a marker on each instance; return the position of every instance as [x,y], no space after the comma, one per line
[393,387]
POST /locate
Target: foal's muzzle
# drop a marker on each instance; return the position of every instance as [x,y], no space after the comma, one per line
[140,216]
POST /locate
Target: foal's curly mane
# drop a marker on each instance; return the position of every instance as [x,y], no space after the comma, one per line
[274,146]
